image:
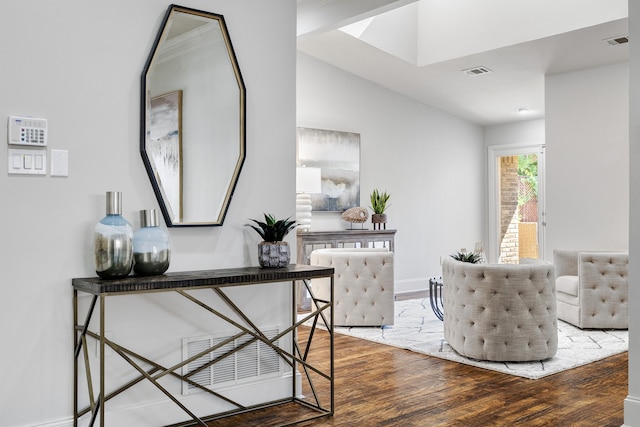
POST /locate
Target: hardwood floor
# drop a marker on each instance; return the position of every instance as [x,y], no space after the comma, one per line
[378,385]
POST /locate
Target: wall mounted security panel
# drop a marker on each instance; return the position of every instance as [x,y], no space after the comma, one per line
[27,131]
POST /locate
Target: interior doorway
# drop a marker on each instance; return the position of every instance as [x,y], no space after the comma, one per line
[516,203]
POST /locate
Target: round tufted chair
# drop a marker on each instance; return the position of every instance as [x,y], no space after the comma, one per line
[500,312]
[363,285]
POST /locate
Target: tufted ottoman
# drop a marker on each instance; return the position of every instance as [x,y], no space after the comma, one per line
[363,284]
[500,312]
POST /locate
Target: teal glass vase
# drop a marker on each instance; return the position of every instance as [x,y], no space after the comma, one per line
[113,241]
[151,246]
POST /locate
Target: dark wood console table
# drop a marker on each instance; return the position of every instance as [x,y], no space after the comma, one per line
[307,241]
[311,397]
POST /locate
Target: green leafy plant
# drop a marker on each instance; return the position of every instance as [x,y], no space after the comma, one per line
[528,171]
[472,257]
[379,201]
[273,230]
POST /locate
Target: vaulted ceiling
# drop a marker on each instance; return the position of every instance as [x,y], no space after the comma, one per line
[421,48]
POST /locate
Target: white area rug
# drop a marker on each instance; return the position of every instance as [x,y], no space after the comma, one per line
[417,329]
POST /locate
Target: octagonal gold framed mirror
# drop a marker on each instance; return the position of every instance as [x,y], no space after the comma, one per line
[193,118]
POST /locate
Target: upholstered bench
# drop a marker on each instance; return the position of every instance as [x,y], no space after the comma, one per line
[500,312]
[363,285]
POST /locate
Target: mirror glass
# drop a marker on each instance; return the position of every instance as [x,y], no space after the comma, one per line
[193,118]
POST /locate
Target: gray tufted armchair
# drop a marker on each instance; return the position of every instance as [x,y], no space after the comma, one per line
[363,286]
[500,312]
[593,288]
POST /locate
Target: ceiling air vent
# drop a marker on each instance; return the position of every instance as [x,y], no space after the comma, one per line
[476,71]
[614,41]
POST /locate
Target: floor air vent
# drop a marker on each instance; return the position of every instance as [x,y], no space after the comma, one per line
[254,361]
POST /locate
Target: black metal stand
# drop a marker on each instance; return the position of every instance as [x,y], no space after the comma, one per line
[435,296]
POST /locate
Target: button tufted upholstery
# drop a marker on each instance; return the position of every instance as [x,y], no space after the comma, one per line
[363,285]
[593,288]
[500,312]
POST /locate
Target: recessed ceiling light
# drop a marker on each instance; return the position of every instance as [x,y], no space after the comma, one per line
[523,110]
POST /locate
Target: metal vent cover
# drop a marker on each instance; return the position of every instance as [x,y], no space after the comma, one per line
[476,71]
[252,362]
[614,41]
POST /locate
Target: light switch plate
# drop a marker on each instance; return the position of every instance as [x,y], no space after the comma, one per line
[27,162]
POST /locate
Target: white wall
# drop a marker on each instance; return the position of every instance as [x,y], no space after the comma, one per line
[429,161]
[78,64]
[587,159]
[589,205]
[528,132]
[632,402]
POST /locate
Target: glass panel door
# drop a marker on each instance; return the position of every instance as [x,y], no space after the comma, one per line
[517,205]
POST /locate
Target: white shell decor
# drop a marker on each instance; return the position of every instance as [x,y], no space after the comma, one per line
[357,215]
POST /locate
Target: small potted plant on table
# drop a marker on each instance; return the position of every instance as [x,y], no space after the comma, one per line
[273,251]
[464,256]
[379,206]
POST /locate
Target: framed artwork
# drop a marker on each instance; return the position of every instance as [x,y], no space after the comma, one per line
[165,147]
[337,154]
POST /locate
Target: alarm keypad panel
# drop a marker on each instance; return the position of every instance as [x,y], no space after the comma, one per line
[27,145]
[27,131]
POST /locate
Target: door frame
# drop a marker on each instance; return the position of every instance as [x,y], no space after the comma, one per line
[492,252]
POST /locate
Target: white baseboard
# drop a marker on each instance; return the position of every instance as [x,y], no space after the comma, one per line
[631,411]
[64,422]
[162,412]
[411,285]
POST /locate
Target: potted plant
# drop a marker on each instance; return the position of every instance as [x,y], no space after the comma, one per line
[273,251]
[379,206]
[464,256]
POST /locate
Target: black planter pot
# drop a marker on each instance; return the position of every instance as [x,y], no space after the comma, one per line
[274,254]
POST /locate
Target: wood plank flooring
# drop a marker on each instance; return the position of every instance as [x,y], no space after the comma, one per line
[378,385]
[401,388]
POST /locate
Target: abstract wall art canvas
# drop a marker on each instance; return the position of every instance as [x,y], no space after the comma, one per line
[337,154]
